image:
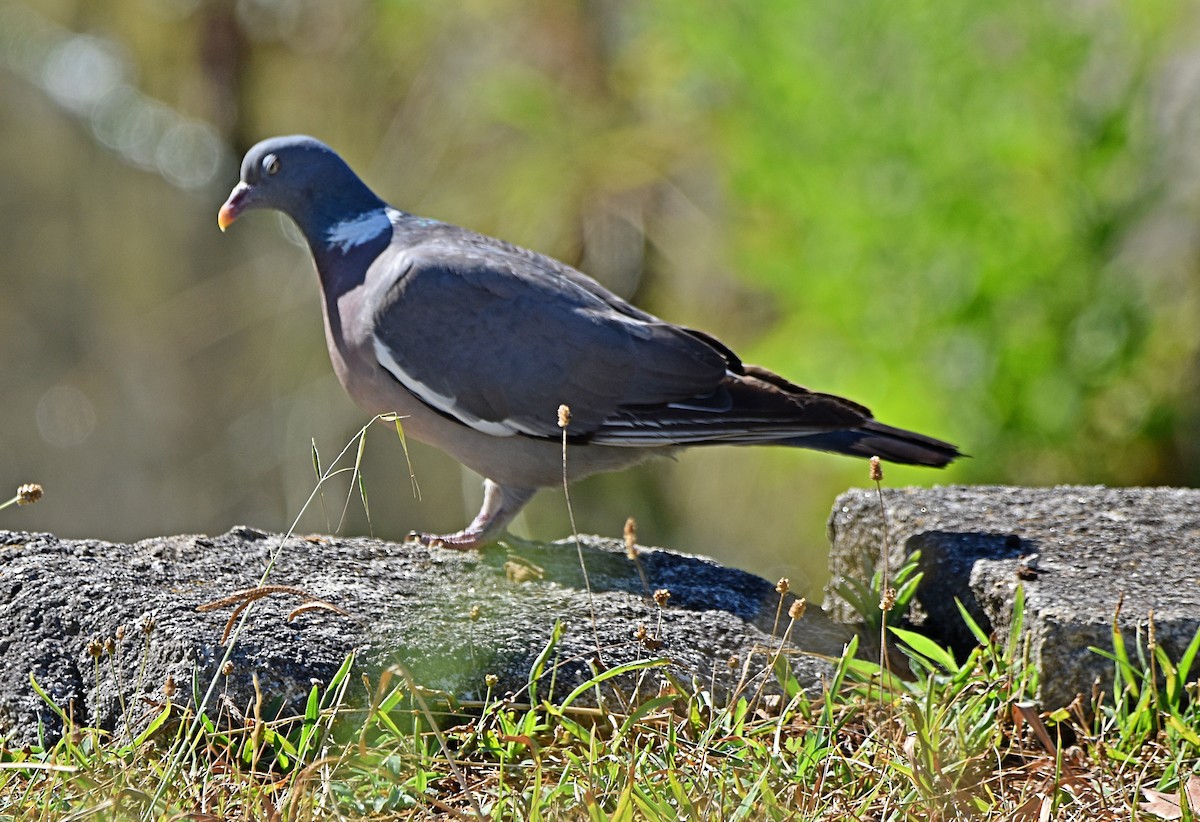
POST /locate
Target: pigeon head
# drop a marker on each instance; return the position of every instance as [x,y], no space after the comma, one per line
[303,178]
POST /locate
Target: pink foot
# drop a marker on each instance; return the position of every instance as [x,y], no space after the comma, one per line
[460,541]
[500,505]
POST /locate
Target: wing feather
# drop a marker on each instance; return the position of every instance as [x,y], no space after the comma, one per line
[499,340]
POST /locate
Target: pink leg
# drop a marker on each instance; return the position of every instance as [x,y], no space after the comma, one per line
[500,505]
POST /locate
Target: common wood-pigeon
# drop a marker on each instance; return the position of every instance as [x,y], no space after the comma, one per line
[476,343]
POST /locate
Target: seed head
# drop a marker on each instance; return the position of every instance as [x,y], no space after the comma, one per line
[169,687]
[29,493]
[888,601]
[631,550]
[564,416]
[110,645]
[120,633]
[646,639]
[876,470]
[227,668]
[491,680]
[147,623]
[474,613]
[732,662]
[661,596]
[94,648]
[798,608]
[782,586]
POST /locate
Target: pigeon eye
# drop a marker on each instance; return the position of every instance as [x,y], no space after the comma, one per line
[271,164]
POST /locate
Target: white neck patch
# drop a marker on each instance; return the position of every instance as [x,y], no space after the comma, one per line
[359,229]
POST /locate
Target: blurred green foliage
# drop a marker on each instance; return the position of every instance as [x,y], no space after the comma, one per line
[950,185]
[978,219]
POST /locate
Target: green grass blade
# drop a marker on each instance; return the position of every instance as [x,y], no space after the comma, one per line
[1127,674]
[338,678]
[1012,645]
[539,664]
[389,702]
[927,648]
[976,631]
[783,674]
[1189,656]
[905,592]
[412,475]
[362,494]
[308,732]
[362,488]
[154,725]
[616,670]
[1183,730]
[909,567]
[45,697]
[646,708]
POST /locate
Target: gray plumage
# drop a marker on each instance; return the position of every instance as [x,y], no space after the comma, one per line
[477,342]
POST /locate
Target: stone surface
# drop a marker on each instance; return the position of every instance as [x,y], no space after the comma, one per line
[403,602]
[1077,550]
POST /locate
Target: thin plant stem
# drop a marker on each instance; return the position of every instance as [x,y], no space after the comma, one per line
[887,599]
[564,419]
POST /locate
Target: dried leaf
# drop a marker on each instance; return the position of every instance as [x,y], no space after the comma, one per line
[1166,805]
[1033,808]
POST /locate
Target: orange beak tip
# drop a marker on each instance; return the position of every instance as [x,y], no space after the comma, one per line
[225,217]
[238,201]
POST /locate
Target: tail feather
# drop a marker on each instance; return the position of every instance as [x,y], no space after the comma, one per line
[754,406]
[874,439]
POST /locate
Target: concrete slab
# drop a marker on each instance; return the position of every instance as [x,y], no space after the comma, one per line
[1076,549]
[452,617]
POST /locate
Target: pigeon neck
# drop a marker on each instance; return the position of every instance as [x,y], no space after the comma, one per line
[347,234]
[345,239]
[344,252]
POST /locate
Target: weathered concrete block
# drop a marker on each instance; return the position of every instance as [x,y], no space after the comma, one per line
[404,602]
[1076,550]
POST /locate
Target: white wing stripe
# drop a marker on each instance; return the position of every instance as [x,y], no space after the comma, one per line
[442,402]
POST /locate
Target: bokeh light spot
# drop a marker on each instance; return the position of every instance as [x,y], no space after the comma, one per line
[65,416]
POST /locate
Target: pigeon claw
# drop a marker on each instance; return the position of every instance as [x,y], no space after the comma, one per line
[461,541]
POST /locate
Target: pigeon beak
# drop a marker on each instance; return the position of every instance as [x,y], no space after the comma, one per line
[234,206]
